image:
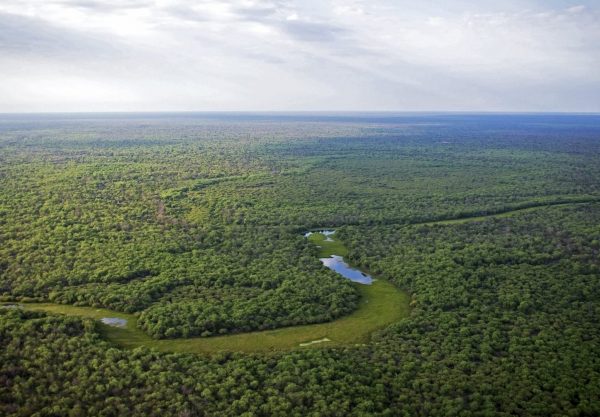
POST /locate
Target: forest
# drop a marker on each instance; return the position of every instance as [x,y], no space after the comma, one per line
[195,224]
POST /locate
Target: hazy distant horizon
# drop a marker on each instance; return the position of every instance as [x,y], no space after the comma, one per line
[308,112]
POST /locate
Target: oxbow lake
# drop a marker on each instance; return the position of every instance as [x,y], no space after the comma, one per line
[336,263]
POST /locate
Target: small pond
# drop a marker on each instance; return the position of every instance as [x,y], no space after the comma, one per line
[336,263]
[114,321]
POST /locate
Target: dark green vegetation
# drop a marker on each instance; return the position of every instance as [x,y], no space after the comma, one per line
[381,304]
[150,226]
[173,218]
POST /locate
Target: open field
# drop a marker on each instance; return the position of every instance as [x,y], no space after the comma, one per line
[381,304]
[512,212]
[328,247]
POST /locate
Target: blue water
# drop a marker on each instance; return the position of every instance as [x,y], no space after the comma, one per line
[114,321]
[336,263]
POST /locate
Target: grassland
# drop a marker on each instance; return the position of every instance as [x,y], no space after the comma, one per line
[328,245]
[381,304]
[514,211]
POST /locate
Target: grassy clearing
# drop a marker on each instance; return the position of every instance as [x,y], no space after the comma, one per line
[328,247]
[381,305]
[128,336]
[505,214]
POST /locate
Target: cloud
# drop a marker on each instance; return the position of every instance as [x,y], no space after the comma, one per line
[576,9]
[293,55]
[311,31]
[256,13]
[104,5]
[24,37]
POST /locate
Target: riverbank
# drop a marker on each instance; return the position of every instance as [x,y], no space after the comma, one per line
[381,304]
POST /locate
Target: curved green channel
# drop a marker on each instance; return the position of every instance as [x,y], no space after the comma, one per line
[380,305]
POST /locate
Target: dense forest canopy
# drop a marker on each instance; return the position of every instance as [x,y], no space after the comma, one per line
[194,222]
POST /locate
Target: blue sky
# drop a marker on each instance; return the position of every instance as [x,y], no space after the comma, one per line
[457,55]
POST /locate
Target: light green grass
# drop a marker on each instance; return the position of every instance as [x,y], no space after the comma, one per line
[381,304]
[505,214]
[128,336]
[328,248]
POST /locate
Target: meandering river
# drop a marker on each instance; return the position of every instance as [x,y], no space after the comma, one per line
[381,304]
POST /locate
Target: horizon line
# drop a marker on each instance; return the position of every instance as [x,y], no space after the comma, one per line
[306,112]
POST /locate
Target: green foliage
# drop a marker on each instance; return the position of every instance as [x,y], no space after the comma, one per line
[381,304]
[106,231]
[195,225]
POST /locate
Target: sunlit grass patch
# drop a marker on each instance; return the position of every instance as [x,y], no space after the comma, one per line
[328,247]
[381,305]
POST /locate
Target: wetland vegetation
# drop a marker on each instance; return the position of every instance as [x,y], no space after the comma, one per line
[190,228]
[381,304]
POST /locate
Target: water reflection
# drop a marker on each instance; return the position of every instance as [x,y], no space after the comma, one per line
[114,321]
[336,263]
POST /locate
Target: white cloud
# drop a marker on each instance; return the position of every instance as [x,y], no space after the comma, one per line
[576,9]
[292,55]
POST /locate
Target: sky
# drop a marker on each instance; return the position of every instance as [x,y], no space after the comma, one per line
[272,55]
